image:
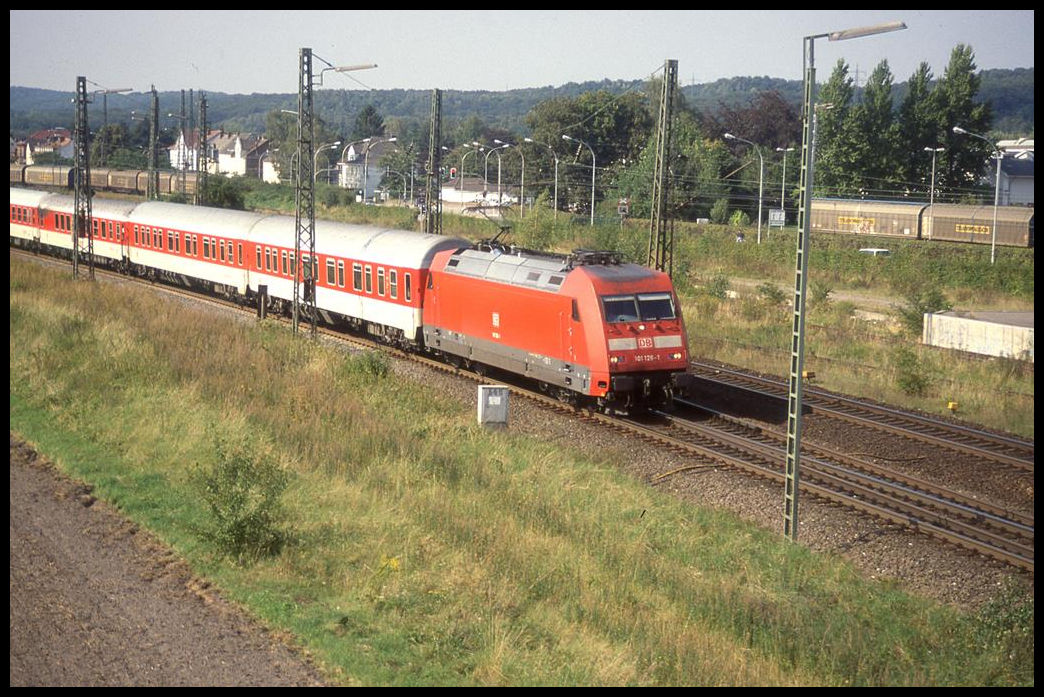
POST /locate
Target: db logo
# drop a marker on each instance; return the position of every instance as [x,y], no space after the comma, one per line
[645,342]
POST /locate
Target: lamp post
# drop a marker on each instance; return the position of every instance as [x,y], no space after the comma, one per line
[485,174]
[783,185]
[931,195]
[797,358]
[761,175]
[366,159]
[996,191]
[475,147]
[105,116]
[315,158]
[522,195]
[577,140]
[555,156]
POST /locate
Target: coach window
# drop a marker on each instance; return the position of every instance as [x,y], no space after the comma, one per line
[368,277]
[221,250]
[177,242]
[268,259]
[331,272]
[393,283]
[170,240]
[293,264]
[380,281]
[157,238]
[340,274]
[136,239]
[406,286]
[283,262]
[239,251]
[206,247]
[258,257]
[356,276]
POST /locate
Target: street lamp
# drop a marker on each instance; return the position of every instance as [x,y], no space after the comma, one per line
[475,147]
[996,192]
[105,115]
[577,140]
[761,175]
[315,158]
[797,358]
[931,196]
[555,156]
[783,186]
[485,174]
[522,195]
[366,159]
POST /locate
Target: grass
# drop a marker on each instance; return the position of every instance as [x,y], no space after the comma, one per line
[421,549]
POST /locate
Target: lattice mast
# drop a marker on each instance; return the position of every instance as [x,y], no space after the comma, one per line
[82,235]
[184,146]
[153,183]
[203,157]
[795,392]
[304,242]
[661,230]
[433,193]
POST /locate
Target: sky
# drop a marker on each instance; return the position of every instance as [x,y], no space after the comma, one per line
[243,52]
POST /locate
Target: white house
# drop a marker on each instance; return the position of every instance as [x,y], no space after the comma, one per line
[359,168]
[231,154]
[1016,179]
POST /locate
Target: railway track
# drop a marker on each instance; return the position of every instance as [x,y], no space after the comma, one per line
[853,483]
[1008,451]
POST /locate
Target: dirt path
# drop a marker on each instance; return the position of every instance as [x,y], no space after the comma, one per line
[97,601]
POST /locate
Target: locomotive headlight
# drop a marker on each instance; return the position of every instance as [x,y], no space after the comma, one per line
[641,327]
[676,356]
[616,359]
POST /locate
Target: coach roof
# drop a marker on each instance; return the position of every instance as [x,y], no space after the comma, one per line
[366,243]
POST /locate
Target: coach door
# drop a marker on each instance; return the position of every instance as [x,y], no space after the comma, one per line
[124,242]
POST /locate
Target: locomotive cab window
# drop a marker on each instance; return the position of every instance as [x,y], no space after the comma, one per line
[653,306]
[620,308]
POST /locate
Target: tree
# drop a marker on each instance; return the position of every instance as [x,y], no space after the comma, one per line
[834,157]
[967,156]
[615,127]
[368,123]
[919,127]
[876,151]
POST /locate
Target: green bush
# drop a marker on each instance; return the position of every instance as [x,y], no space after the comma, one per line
[911,375]
[718,287]
[719,212]
[242,495]
[920,301]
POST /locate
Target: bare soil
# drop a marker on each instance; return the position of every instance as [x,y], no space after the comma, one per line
[95,600]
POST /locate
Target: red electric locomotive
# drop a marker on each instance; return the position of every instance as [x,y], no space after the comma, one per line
[586,327]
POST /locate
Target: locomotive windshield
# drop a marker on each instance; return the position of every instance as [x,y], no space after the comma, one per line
[656,306]
[632,308]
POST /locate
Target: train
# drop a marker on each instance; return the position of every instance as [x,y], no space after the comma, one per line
[922,221]
[101,178]
[586,327]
